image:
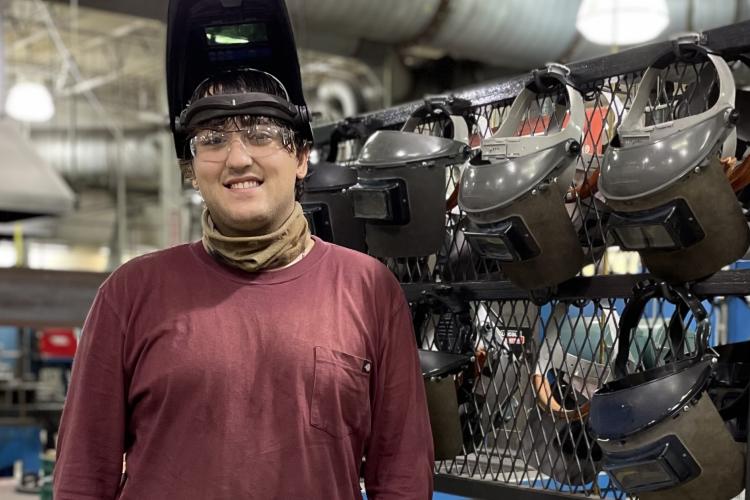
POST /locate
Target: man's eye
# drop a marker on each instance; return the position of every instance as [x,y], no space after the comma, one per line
[211,139]
[261,138]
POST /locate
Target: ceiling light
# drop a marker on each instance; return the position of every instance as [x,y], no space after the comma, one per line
[30,102]
[619,22]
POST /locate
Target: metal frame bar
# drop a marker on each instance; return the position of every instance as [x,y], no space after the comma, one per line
[614,286]
[478,489]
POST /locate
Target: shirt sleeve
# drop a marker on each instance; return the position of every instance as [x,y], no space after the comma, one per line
[92,430]
[399,458]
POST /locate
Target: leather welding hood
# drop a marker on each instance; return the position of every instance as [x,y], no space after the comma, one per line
[402,182]
[328,206]
[660,433]
[671,199]
[515,198]
[209,37]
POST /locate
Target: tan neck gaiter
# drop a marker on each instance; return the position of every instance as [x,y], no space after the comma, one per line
[255,253]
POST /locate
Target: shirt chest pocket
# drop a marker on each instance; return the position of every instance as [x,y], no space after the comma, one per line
[340,402]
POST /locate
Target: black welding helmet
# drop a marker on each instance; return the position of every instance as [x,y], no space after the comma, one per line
[663,178]
[660,433]
[328,206]
[209,37]
[514,198]
[402,182]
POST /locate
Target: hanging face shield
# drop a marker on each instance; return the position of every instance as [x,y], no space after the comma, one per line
[402,182]
[326,202]
[662,175]
[661,434]
[209,37]
[328,207]
[515,199]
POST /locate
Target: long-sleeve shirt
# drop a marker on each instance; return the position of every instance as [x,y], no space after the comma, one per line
[221,384]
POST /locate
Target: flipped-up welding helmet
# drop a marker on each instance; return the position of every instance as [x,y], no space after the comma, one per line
[514,198]
[328,206]
[663,178]
[660,433]
[209,37]
[402,181]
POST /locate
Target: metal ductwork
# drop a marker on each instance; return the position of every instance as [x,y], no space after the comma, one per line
[511,33]
[29,187]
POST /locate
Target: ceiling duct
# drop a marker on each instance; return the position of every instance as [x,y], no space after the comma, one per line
[29,187]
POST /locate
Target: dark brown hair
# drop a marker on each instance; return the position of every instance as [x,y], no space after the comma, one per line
[240,82]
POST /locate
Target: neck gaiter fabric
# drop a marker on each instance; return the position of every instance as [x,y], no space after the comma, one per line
[256,253]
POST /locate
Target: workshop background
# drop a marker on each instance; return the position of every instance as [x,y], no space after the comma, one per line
[90,180]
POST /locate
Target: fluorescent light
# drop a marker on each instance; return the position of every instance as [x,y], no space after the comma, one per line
[30,102]
[622,22]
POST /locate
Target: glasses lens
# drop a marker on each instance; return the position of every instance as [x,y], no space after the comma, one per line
[259,141]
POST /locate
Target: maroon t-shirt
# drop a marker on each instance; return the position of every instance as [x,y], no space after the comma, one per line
[222,384]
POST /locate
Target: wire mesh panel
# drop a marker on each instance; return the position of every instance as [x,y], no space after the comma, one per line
[524,402]
[539,358]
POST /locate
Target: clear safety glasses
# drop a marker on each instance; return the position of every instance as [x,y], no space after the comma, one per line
[259,141]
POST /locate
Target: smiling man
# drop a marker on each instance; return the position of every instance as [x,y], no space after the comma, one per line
[259,363]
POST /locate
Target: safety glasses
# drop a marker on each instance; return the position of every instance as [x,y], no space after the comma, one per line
[259,141]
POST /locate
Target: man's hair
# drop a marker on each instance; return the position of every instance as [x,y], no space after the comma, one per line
[238,82]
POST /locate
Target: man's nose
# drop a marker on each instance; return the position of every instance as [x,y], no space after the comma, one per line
[238,156]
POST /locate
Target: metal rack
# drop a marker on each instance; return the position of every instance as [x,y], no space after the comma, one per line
[461,303]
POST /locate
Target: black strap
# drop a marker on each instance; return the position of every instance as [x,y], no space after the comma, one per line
[355,127]
[685,302]
[444,106]
[249,103]
[686,51]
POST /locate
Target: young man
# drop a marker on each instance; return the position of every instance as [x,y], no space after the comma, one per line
[260,363]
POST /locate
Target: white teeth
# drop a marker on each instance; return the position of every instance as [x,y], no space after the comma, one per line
[244,185]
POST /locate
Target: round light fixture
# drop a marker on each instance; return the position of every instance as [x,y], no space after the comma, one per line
[620,22]
[30,102]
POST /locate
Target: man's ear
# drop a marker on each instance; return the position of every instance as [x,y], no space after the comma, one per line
[302,161]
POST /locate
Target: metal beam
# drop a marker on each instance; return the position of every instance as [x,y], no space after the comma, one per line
[38,298]
[489,490]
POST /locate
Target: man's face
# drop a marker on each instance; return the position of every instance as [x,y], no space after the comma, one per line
[246,194]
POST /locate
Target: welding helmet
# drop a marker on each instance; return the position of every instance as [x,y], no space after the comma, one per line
[663,177]
[660,433]
[402,181]
[514,198]
[439,370]
[209,37]
[328,207]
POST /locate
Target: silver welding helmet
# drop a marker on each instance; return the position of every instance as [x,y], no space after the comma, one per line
[514,198]
[660,433]
[402,182]
[328,207]
[670,198]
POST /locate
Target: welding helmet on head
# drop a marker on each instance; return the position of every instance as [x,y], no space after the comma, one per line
[208,37]
[663,177]
[328,206]
[660,433]
[402,181]
[515,198]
